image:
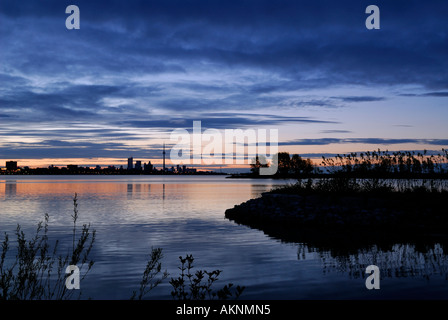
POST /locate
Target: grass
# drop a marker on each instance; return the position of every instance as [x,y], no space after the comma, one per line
[370,164]
[378,172]
[37,270]
[389,194]
[374,186]
[406,164]
[416,201]
[152,270]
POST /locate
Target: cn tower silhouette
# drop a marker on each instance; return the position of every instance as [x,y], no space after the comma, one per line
[164,158]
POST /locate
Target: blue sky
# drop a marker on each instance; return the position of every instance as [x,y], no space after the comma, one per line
[136,70]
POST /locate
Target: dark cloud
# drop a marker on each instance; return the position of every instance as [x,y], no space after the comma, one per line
[441,94]
[360,99]
[291,38]
[335,131]
[437,94]
[375,141]
[74,102]
[224,121]
[79,133]
[67,149]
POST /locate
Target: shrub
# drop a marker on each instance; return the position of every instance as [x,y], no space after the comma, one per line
[153,268]
[38,271]
[189,286]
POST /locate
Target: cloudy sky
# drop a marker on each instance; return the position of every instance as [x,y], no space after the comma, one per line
[136,70]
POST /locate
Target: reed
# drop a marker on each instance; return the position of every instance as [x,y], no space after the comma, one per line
[380,163]
[35,270]
[376,172]
[198,285]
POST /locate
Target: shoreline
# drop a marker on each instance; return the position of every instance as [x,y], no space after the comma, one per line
[435,176]
[345,215]
[117,174]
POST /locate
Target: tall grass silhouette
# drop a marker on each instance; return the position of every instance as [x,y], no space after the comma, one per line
[35,270]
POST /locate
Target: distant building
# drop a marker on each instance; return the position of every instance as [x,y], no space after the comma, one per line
[148,167]
[138,165]
[164,157]
[11,165]
[130,163]
[72,167]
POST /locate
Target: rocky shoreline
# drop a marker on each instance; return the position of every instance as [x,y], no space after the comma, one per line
[397,212]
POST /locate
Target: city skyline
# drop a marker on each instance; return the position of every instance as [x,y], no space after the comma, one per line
[135,71]
[133,167]
[132,164]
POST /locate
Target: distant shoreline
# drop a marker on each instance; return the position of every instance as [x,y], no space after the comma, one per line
[336,175]
[115,174]
[240,175]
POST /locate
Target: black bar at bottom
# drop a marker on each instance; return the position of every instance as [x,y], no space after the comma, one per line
[249,309]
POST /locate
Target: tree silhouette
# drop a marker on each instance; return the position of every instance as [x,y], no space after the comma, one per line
[258,162]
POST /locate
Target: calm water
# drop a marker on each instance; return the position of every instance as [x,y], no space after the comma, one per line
[185,215]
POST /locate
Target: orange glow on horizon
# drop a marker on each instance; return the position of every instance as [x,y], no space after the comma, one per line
[315,150]
[104,162]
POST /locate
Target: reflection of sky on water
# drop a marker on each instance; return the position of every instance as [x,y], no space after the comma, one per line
[186,215]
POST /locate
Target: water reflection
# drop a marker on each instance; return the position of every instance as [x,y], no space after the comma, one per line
[402,255]
[131,215]
[130,189]
[400,261]
[257,189]
[11,188]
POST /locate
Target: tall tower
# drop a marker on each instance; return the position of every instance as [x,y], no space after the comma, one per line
[130,163]
[164,157]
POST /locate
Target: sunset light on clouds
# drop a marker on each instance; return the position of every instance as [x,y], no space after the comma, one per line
[137,70]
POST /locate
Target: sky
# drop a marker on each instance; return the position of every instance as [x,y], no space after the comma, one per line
[137,70]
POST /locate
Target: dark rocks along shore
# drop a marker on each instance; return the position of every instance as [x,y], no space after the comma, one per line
[336,211]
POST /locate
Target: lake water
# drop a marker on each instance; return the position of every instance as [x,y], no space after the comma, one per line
[185,215]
